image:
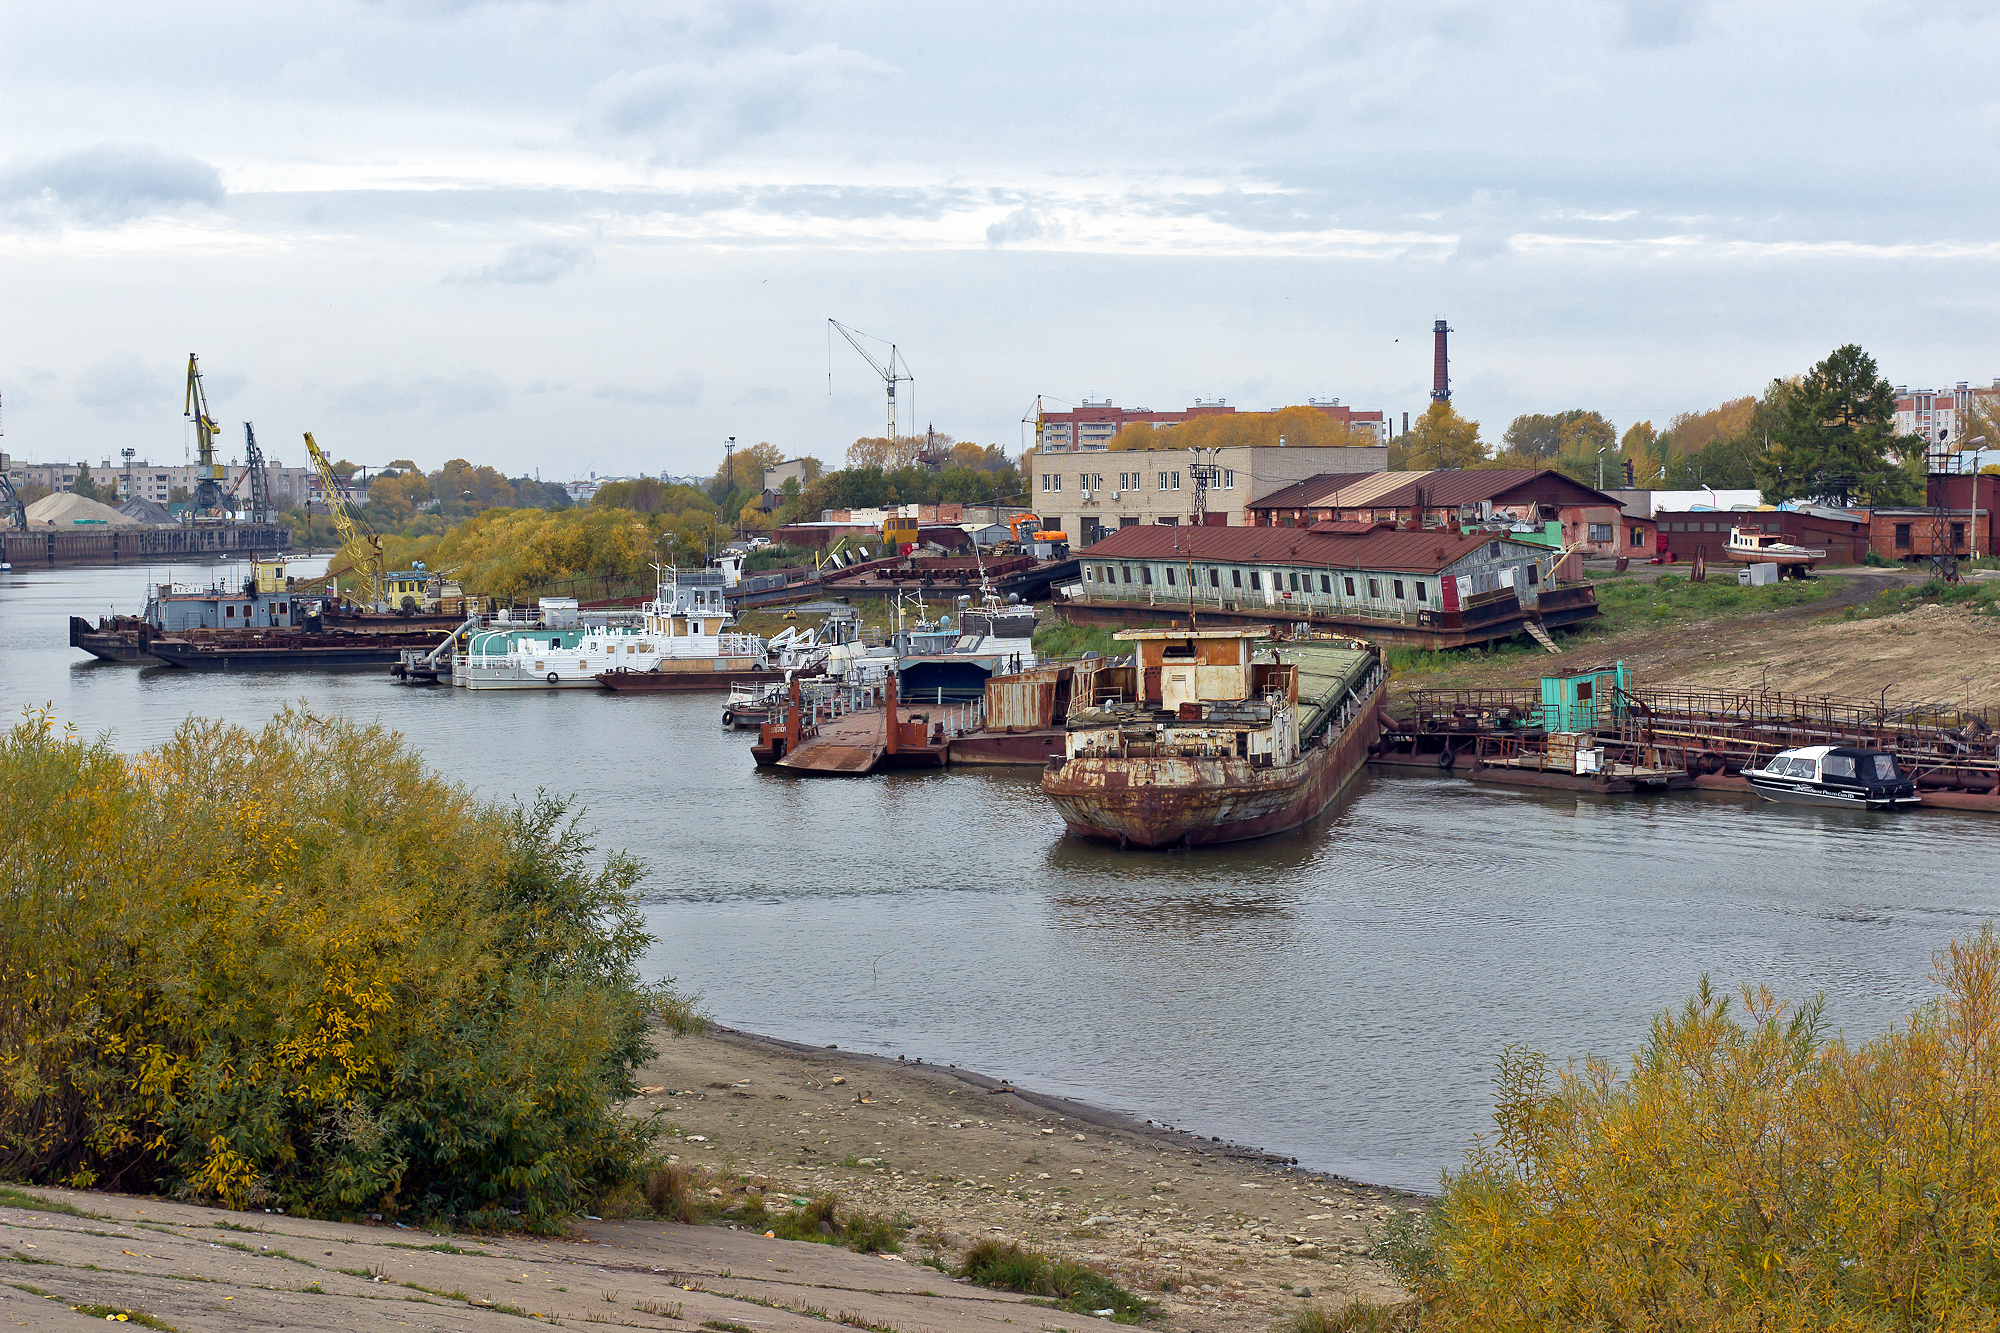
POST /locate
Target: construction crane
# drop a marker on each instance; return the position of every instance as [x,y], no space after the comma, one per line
[260,485]
[10,499]
[363,549]
[208,474]
[891,376]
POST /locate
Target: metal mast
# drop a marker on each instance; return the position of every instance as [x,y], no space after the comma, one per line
[207,472]
[891,376]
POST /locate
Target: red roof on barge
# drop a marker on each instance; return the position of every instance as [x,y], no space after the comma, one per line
[1373,547]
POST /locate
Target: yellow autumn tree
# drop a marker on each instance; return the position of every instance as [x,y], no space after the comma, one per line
[1746,1172]
[1441,438]
[293,967]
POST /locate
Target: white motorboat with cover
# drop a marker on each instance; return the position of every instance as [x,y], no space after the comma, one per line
[1833,775]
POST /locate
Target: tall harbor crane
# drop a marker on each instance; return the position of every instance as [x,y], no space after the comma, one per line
[10,499]
[363,549]
[260,484]
[891,376]
[208,473]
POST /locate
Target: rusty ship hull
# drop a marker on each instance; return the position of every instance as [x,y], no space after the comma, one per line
[1175,802]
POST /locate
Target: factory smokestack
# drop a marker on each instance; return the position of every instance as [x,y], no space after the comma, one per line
[1440,365]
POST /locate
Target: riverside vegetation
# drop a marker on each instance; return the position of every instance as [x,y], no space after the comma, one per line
[1747,1172]
[293,968]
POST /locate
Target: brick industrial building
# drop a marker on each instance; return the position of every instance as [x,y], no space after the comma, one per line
[1591,520]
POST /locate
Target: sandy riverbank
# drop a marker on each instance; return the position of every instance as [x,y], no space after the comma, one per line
[1234,1233]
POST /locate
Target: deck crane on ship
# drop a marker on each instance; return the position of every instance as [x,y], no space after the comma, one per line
[362,549]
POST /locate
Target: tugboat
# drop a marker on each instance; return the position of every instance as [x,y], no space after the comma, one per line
[1202,740]
[1839,775]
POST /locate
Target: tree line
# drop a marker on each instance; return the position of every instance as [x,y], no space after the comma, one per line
[1826,434]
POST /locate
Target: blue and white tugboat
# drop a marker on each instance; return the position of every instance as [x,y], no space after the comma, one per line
[1833,775]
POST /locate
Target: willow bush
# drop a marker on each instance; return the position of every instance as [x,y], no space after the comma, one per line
[294,968]
[1746,1173]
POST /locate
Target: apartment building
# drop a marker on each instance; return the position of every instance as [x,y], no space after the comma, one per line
[1090,495]
[1092,426]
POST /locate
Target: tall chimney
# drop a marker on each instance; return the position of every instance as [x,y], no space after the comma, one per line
[1440,365]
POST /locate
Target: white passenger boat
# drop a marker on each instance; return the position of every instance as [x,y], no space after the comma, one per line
[1833,775]
[677,640]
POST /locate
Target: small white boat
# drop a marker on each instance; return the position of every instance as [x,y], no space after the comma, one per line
[1840,775]
[1752,547]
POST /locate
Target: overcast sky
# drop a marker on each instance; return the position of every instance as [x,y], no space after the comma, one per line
[605,236]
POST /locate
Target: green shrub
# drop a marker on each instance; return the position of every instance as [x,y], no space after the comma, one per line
[1074,1287]
[294,967]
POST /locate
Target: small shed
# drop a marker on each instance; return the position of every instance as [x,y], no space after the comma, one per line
[1585,699]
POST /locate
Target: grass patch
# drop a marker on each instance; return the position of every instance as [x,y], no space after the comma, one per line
[13,1198]
[442,1247]
[823,1220]
[1672,600]
[1071,1285]
[119,1314]
[1055,639]
[1982,595]
[1353,1317]
[725,1326]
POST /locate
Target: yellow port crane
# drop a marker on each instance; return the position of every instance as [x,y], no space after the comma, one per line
[208,474]
[362,549]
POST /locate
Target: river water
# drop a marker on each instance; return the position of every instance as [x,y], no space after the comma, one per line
[1338,994]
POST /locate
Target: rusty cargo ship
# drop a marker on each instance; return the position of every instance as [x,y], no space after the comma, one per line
[1206,738]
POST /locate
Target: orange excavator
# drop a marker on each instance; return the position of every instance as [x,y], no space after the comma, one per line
[1037,533]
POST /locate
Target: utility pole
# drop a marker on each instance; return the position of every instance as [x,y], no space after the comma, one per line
[729,477]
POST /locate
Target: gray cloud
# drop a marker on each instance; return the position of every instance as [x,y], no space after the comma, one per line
[118,386]
[693,109]
[683,390]
[760,396]
[466,392]
[108,183]
[538,263]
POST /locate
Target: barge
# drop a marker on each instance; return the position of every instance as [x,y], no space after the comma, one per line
[1203,740]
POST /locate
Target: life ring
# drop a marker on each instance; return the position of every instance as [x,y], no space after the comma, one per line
[554,678]
[728,718]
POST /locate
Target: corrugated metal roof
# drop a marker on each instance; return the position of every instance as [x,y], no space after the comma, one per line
[1398,490]
[1352,488]
[1384,549]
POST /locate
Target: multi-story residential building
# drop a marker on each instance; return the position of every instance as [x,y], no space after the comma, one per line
[1090,495]
[1939,414]
[1094,425]
[152,481]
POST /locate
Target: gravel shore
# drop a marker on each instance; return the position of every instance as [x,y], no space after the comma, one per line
[1218,1236]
